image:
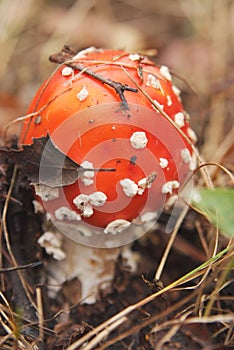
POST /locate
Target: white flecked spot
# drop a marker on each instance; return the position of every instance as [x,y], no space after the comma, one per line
[163,162]
[134,57]
[87,211]
[169,186]
[97,198]
[66,71]
[164,71]
[145,218]
[149,216]
[142,183]
[49,217]
[52,242]
[176,184]
[171,201]
[129,187]
[146,182]
[38,208]
[81,200]
[138,140]
[65,213]
[117,226]
[83,53]
[82,203]
[87,165]
[179,119]
[187,116]
[176,90]
[185,155]
[87,176]
[83,94]
[86,181]
[193,162]
[153,81]
[169,101]
[37,120]
[85,202]
[192,135]
[46,193]
[157,105]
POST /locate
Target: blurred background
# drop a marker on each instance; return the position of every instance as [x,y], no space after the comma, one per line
[193,37]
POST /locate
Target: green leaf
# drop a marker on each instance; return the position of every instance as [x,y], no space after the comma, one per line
[218,206]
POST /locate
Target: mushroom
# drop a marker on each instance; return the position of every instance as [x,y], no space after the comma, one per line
[108,109]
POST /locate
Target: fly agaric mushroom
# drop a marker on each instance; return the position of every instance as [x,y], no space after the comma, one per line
[108,109]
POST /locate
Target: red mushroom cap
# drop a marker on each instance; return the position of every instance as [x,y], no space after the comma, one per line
[97,127]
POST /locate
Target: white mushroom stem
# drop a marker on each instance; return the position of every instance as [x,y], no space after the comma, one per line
[93,267]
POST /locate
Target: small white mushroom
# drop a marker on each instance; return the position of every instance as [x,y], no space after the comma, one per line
[117,226]
[179,119]
[82,94]
[139,140]
[169,186]
[163,162]
[130,188]
[164,71]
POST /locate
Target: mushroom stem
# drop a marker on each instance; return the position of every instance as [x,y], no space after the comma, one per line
[93,268]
